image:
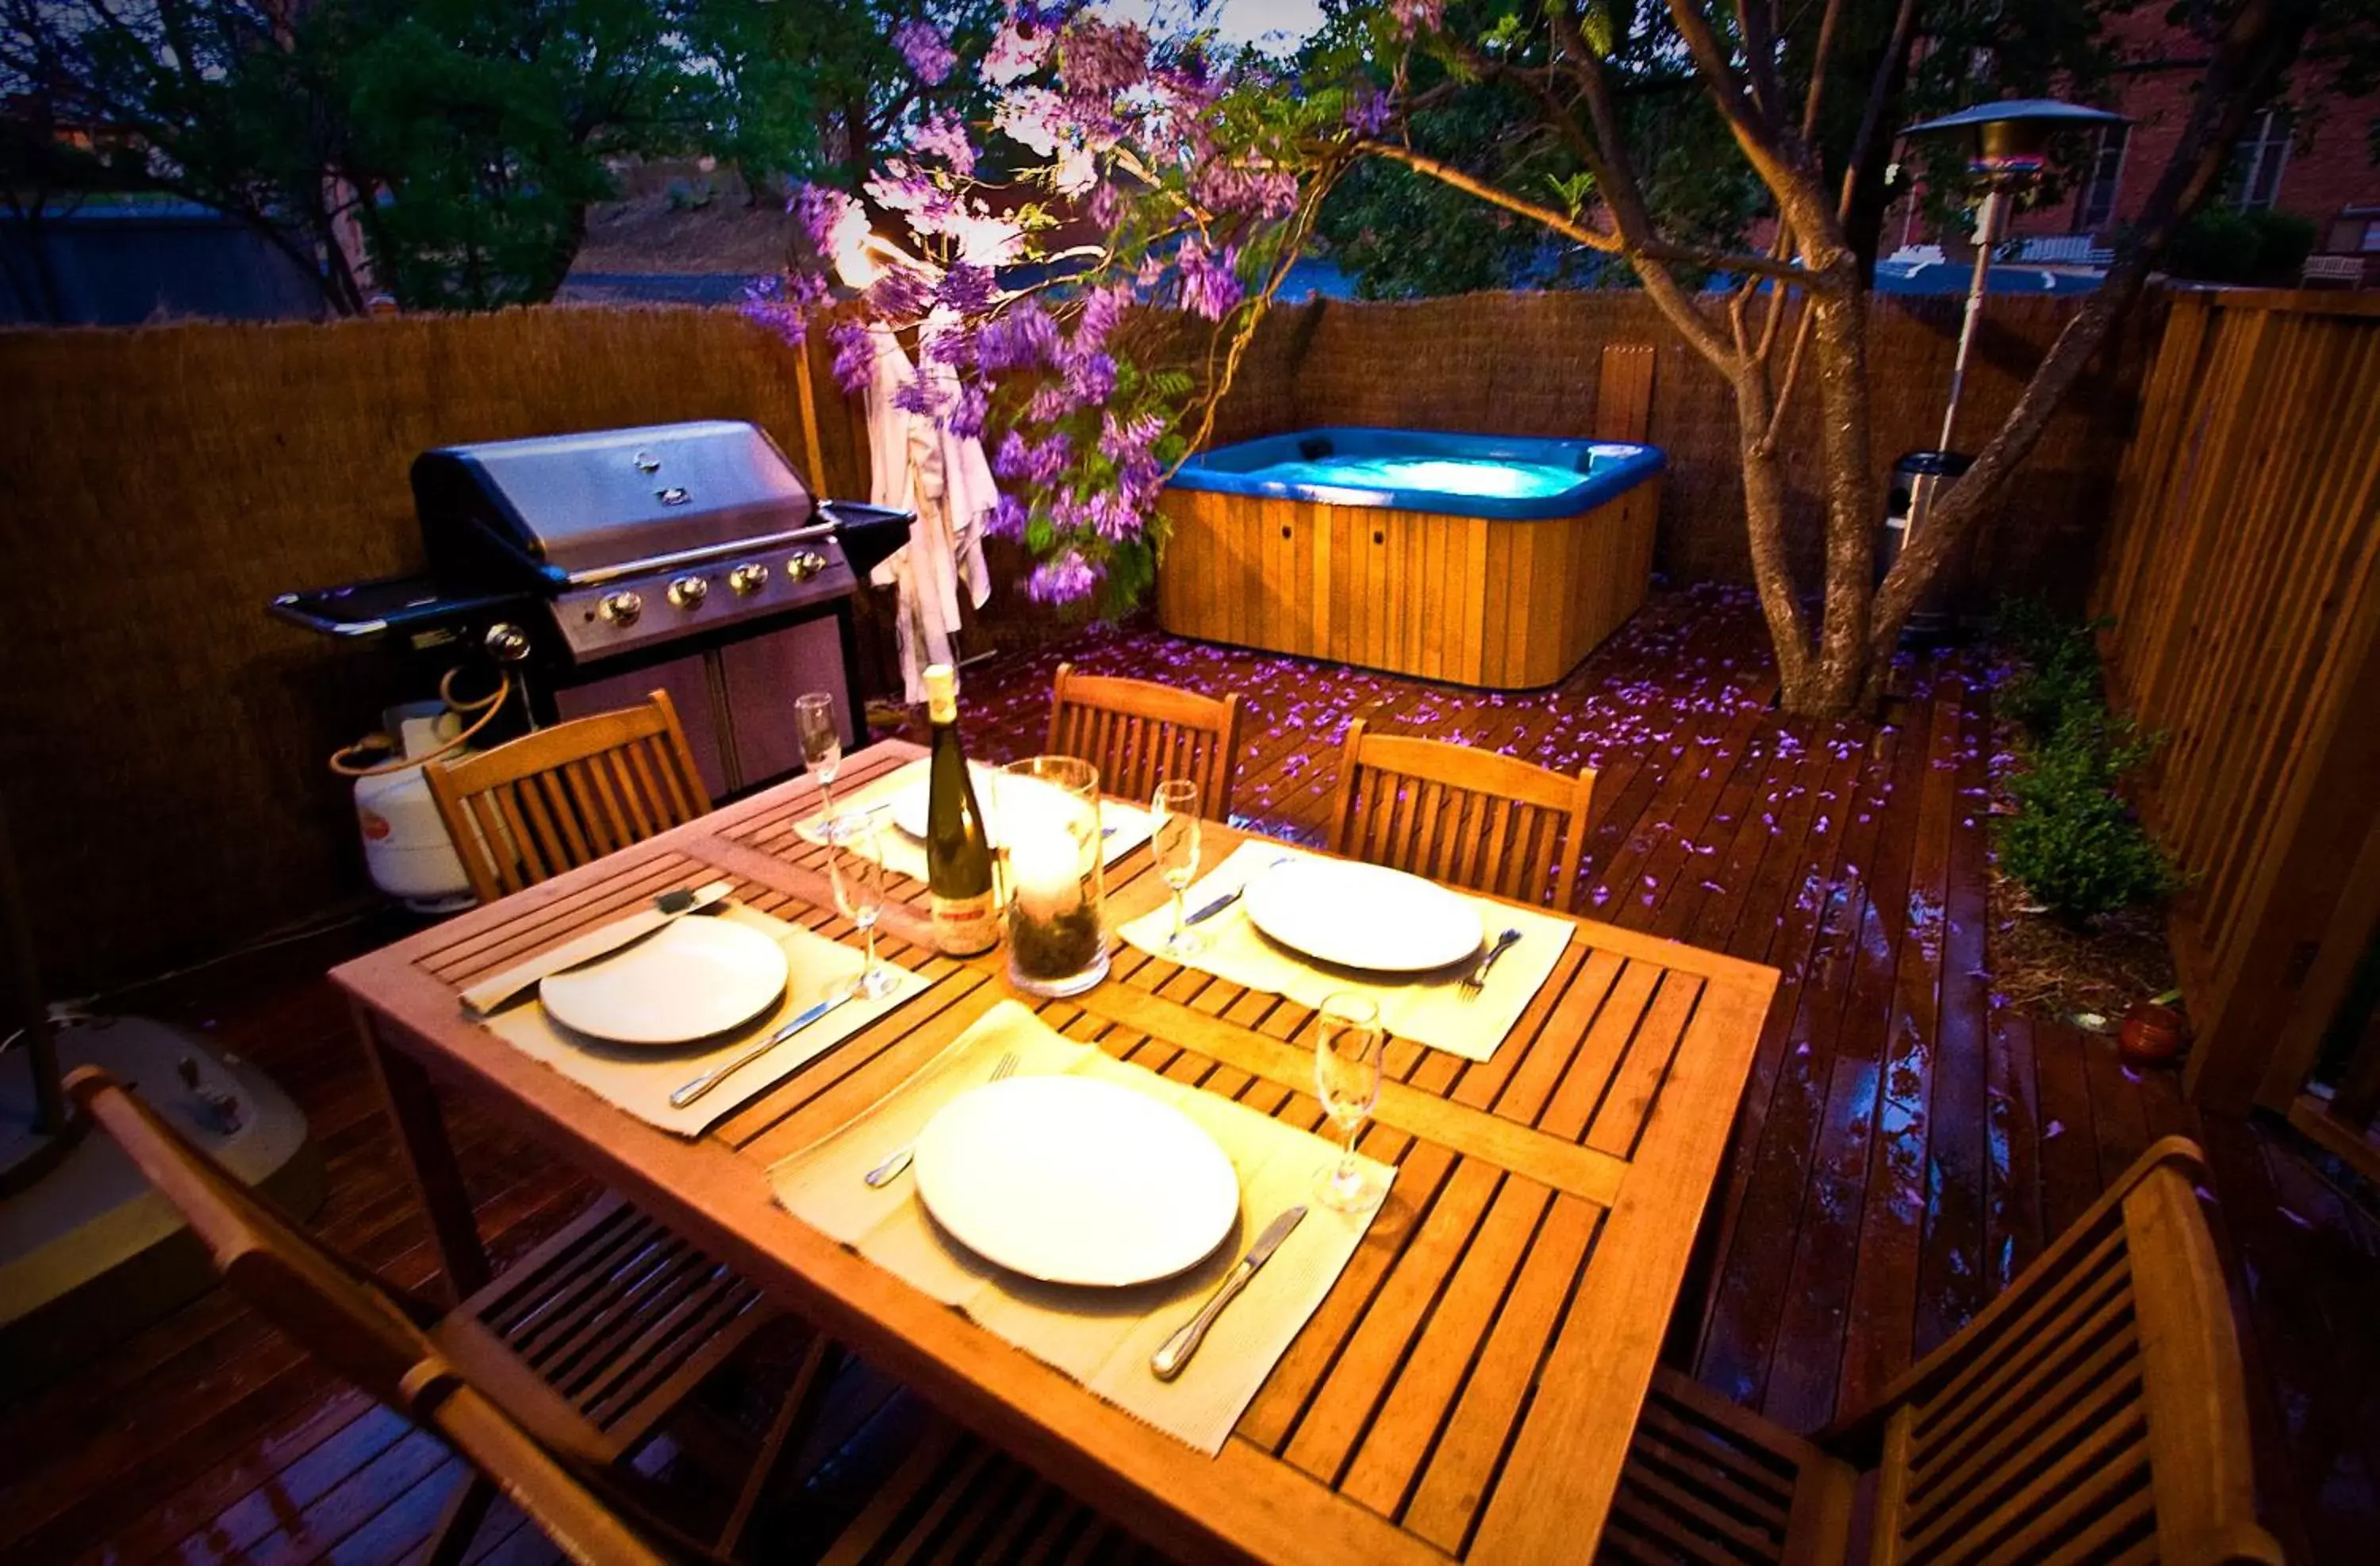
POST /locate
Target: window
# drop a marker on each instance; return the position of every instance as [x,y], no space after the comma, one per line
[2098,204]
[2256,160]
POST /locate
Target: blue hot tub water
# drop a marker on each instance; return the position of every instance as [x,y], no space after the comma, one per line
[1511,477]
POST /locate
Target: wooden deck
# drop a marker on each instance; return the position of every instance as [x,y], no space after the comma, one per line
[1906,1145]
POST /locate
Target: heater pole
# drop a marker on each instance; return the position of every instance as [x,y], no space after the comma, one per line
[1989,220]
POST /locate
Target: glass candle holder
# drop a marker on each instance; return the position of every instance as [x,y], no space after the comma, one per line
[1050,831]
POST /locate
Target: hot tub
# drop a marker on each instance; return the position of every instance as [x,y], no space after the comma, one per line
[1485,560]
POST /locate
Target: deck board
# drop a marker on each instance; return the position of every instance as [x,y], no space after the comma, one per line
[1904,1145]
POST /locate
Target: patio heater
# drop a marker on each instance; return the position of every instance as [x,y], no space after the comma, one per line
[2007,145]
[88,1254]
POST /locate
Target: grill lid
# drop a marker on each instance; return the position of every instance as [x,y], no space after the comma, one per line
[583,507]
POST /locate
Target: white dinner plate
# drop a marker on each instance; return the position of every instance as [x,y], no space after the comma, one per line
[1003,796]
[694,977]
[1073,1180]
[1363,916]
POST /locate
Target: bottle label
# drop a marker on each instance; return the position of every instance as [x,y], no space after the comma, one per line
[965,925]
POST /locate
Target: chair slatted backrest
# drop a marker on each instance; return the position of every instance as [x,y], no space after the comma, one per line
[563,796]
[2095,1410]
[1466,817]
[350,1321]
[1137,733]
[1623,392]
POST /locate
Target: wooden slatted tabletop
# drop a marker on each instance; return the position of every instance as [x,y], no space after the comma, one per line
[1467,1390]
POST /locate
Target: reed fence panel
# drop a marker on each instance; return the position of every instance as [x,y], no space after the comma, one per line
[2240,576]
[162,739]
[1526,364]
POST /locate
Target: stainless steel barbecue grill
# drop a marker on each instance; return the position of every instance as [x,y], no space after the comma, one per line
[596,567]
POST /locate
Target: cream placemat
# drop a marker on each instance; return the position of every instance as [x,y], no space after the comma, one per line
[641,1080]
[1126,826]
[1430,1008]
[1100,1337]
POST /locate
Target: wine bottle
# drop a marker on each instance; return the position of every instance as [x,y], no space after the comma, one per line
[958,849]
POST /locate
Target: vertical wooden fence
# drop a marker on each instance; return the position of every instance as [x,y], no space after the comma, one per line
[2241,577]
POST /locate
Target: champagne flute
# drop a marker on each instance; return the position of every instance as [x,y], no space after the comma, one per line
[1174,837]
[1348,1044]
[821,740]
[856,865]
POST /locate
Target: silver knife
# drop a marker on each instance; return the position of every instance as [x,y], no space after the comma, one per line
[1169,1360]
[717,1074]
[605,940]
[1208,911]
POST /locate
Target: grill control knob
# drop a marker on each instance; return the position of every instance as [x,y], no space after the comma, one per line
[748,579]
[620,608]
[804,566]
[506,643]
[687,592]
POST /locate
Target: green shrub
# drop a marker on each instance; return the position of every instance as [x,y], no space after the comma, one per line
[2073,842]
[2058,679]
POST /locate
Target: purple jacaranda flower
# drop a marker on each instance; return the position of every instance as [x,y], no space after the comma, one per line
[1369,115]
[782,304]
[1209,287]
[946,342]
[1417,15]
[919,395]
[1067,579]
[1032,462]
[1049,402]
[1018,338]
[927,50]
[1006,518]
[899,294]
[1102,308]
[1106,204]
[825,214]
[855,355]
[904,187]
[1037,117]
[1097,60]
[945,135]
[1019,47]
[968,414]
[1227,188]
[965,288]
[1090,378]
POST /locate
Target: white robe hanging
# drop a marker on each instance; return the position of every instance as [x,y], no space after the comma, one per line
[915,465]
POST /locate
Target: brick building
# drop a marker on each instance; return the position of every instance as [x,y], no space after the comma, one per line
[2310,155]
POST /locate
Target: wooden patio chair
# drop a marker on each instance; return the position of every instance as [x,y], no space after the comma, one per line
[1136,732]
[2094,1412]
[955,1498]
[563,796]
[1470,817]
[545,1382]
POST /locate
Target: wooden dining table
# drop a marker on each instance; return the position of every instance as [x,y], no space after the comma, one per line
[1468,1388]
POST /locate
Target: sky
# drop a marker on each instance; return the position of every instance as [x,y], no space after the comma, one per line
[1281,23]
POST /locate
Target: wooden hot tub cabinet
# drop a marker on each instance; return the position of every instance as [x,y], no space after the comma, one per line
[1477,600]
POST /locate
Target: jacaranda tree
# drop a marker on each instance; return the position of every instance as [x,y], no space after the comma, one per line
[1119,169]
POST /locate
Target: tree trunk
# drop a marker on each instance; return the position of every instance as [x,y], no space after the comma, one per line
[1839,342]
[1764,512]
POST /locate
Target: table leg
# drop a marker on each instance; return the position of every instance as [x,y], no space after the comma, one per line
[428,1155]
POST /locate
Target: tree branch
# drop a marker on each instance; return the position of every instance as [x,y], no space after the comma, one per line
[1569,227]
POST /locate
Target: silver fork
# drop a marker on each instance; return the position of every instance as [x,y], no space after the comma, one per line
[884,1174]
[1476,980]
